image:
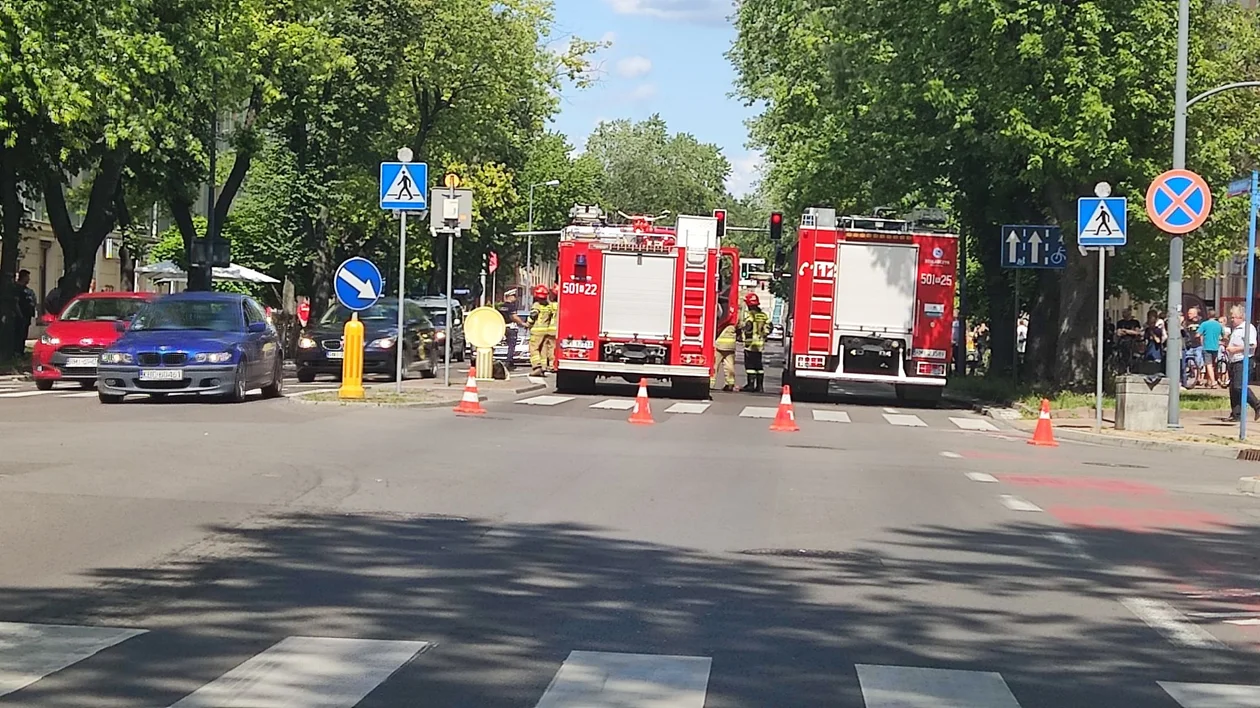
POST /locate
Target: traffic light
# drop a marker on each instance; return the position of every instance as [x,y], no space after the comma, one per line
[776,225]
[720,215]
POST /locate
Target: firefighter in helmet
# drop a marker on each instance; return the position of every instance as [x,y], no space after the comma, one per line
[755,329]
[539,323]
[549,340]
[724,351]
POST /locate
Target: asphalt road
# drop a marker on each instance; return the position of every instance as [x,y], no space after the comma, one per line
[549,554]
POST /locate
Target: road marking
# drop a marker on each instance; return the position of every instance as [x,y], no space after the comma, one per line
[951,455]
[912,687]
[688,408]
[306,672]
[1212,695]
[1165,619]
[909,421]
[546,400]
[974,424]
[614,404]
[1074,546]
[85,394]
[831,416]
[23,394]
[893,411]
[1016,504]
[596,678]
[29,652]
[1244,623]
[981,477]
[758,412]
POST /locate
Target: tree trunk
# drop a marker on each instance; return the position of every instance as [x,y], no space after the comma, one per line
[1043,336]
[80,246]
[11,214]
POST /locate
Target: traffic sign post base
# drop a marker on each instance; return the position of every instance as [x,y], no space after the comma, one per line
[352,363]
[485,364]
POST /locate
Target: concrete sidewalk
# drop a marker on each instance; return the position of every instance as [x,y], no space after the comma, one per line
[1202,432]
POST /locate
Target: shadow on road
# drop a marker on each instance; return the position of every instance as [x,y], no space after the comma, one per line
[506,603]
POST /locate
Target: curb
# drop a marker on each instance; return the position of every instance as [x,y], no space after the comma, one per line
[1203,449]
[984,409]
[302,398]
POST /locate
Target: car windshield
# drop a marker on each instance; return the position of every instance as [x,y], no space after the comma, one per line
[438,316]
[214,315]
[382,311]
[102,309]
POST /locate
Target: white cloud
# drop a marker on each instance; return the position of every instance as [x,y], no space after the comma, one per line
[634,67]
[714,12]
[643,92]
[745,173]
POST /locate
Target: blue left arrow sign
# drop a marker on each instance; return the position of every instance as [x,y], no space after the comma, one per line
[358,284]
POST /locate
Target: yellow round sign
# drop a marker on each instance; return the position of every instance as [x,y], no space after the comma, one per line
[484,327]
[452,182]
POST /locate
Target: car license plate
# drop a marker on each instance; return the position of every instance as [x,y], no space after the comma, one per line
[81,362]
[336,355]
[161,374]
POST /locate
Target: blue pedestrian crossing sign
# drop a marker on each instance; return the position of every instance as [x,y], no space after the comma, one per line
[1102,222]
[1032,246]
[404,186]
[358,284]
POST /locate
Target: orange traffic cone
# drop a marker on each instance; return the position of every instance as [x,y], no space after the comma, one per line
[470,404]
[642,413]
[785,418]
[1044,434]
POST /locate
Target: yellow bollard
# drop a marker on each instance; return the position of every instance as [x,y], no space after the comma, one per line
[352,363]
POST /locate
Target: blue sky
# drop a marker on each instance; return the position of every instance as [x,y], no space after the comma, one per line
[667,57]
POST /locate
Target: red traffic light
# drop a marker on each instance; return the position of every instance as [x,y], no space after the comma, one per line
[720,215]
[776,218]
[776,225]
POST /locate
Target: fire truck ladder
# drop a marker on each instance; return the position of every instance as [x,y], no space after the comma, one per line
[695,296]
[822,293]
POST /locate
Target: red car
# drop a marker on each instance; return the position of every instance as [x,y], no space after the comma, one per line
[74,340]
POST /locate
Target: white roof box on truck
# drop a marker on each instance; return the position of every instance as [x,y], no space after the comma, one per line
[697,233]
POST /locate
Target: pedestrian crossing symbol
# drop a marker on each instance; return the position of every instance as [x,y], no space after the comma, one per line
[1102,222]
[404,186]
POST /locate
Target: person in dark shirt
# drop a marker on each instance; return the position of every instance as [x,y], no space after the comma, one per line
[27,307]
[1154,337]
[508,308]
[1128,340]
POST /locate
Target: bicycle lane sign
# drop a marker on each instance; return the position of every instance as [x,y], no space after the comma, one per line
[1178,202]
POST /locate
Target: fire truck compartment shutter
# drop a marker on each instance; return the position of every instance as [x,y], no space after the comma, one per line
[697,233]
[875,288]
[638,297]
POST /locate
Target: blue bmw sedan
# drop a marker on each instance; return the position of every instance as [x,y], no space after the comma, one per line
[215,344]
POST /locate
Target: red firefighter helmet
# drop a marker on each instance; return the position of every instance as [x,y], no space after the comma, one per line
[540,292]
[752,300]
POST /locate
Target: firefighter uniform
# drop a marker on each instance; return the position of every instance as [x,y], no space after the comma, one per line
[549,334]
[540,325]
[756,328]
[724,352]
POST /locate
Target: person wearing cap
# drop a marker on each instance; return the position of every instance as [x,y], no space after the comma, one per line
[756,328]
[507,308]
[540,324]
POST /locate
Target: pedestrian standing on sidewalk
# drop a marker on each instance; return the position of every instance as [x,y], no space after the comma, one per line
[1242,342]
[1210,332]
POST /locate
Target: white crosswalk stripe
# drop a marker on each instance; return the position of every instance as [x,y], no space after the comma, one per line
[1014,503]
[905,419]
[831,416]
[1212,695]
[688,408]
[911,687]
[973,424]
[614,404]
[306,672]
[757,412]
[29,652]
[23,394]
[593,678]
[545,400]
[84,394]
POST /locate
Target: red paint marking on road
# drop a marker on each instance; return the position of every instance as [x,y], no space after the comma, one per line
[1093,484]
[1137,520]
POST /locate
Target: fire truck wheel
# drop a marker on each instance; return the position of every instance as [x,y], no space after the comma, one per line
[575,382]
[929,397]
[697,389]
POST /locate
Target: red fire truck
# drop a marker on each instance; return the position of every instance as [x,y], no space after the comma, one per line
[873,301]
[639,300]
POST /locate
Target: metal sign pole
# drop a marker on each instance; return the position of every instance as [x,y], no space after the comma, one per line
[1015,350]
[402,265]
[1098,382]
[450,260]
[1251,273]
[1172,370]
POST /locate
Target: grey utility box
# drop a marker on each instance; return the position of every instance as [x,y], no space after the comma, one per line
[1141,403]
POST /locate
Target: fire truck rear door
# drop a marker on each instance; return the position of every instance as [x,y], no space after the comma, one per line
[638,295]
[875,288]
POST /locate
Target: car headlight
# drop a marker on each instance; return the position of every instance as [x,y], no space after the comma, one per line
[213,357]
[50,341]
[116,358]
[306,343]
[382,343]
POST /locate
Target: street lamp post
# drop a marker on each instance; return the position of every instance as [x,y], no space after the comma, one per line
[1172,367]
[529,240]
